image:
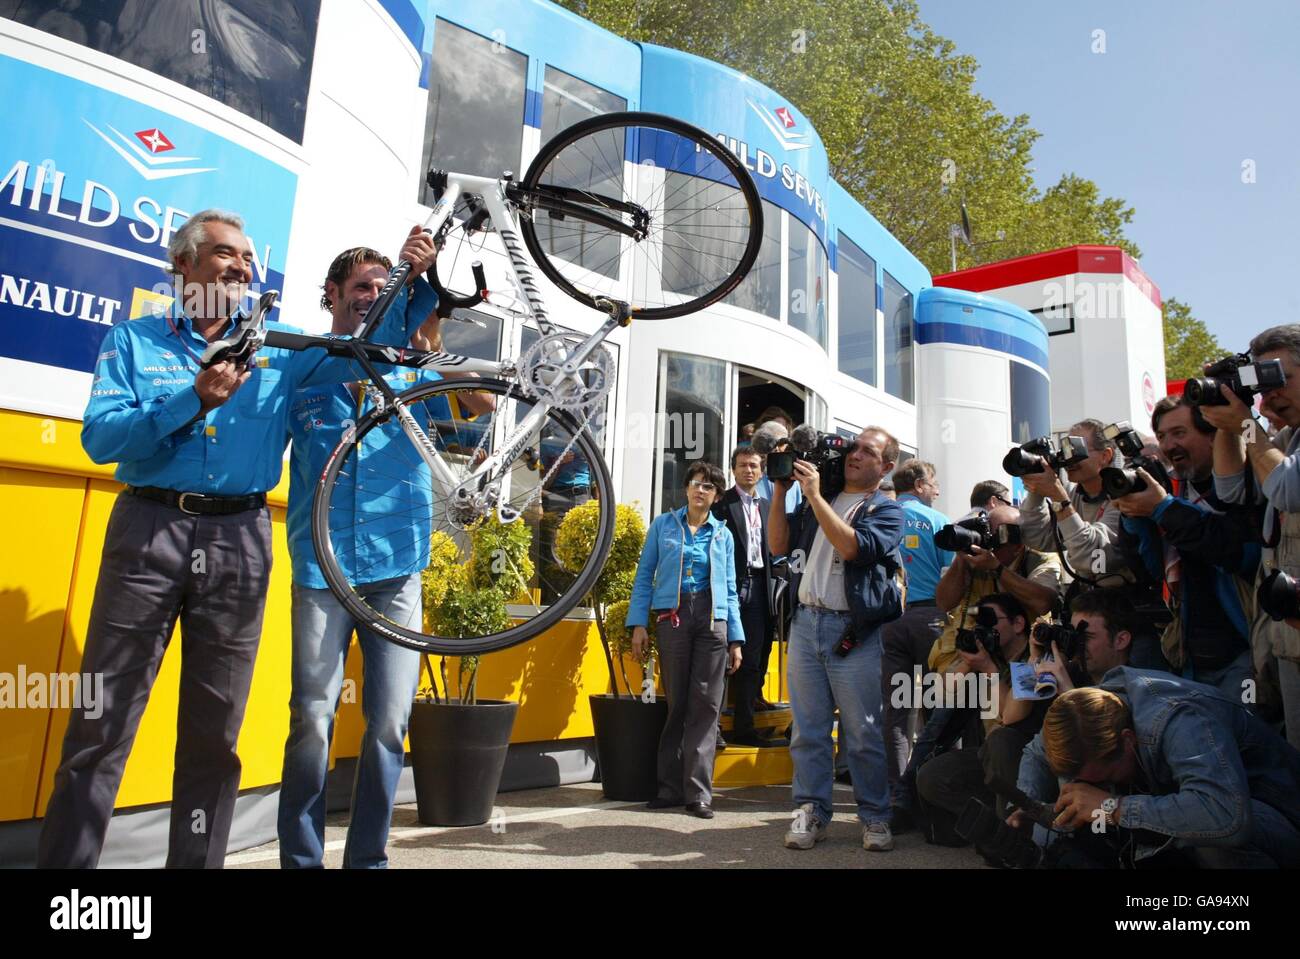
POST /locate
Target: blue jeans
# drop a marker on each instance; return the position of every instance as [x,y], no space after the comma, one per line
[820,681]
[322,631]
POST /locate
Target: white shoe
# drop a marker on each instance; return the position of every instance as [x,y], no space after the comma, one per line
[806,830]
[877,837]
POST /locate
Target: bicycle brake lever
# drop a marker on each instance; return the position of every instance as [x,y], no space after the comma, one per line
[248,339]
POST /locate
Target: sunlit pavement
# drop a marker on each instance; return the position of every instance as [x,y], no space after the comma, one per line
[575,826]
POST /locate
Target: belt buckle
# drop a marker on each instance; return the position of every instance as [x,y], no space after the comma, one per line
[180,503]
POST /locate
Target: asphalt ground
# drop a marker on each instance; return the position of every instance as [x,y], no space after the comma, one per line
[576,827]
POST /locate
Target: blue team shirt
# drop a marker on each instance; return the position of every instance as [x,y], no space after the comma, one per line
[923,560]
[143,412]
[381,506]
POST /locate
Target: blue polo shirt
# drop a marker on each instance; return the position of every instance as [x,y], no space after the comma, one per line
[923,560]
[382,505]
[143,412]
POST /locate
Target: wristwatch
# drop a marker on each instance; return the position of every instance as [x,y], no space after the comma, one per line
[1110,807]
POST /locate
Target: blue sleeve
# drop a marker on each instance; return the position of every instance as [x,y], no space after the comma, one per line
[1282,486]
[408,311]
[117,426]
[1212,802]
[879,532]
[735,629]
[1035,779]
[638,607]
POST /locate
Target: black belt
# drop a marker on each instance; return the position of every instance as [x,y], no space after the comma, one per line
[200,504]
[920,602]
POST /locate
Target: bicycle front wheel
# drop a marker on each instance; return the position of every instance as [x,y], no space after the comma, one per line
[493,573]
[641,208]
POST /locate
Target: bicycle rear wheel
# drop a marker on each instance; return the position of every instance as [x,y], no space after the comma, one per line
[691,205]
[379,515]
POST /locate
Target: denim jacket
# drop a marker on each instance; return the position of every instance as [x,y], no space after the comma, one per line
[658,580]
[1203,756]
[879,526]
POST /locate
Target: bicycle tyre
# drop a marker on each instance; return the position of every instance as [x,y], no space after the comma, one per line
[713,161]
[338,581]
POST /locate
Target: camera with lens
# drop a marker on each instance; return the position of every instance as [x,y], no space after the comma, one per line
[1068,639]
[809,444]
[984,634]
[975,530]
[1239,374]
[1043,452]
[1120,481]
[1279,596]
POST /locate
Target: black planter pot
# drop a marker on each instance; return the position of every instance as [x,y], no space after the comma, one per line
[627,745]
[457,755]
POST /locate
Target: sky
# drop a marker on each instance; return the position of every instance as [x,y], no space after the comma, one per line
[1186,92]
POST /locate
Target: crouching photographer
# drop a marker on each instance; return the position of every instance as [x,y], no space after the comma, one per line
[1161,765]
[947,778]
[1274,371]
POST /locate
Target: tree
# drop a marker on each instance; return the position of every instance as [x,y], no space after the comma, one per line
[896,108]
[1189,344]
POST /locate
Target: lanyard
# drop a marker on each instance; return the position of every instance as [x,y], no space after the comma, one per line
[186,346]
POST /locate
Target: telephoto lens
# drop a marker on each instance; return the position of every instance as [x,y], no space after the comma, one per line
[1117,482]
[1279,596]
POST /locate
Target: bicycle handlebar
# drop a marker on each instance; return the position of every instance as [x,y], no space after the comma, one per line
[448,301]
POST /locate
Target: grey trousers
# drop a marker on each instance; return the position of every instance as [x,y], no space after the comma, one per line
[160,564]
[693,663]
[905,643]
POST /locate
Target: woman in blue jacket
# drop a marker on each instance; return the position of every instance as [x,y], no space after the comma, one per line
[687,577]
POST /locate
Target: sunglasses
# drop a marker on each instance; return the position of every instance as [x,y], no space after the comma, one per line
[701,485]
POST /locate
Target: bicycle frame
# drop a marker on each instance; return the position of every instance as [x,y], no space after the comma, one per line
[493,469]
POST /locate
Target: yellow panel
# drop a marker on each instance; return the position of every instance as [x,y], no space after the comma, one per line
[148,775]
[42,513]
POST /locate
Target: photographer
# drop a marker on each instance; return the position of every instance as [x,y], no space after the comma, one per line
[843,560]
[1152,752]
[1217,552]
[1088,528]
[949,780]
[1032,577]
[1276,468]
[1106,623]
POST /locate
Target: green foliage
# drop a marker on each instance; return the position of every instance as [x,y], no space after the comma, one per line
[1189,344]
[499,557]
[619,636]
[469,599]
[576,538]
[895,104]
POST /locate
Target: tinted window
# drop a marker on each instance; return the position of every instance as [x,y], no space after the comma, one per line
[806,308]
[760,290]
[1031,403]
[253,56]
[470,339]
[695,396]
[474,121]
[857,312]
[567,100]
[898,340]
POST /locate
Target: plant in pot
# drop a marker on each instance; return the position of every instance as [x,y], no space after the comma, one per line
[627,721]
[459,743]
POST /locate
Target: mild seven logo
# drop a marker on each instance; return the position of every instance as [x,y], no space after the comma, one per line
[779,123]
[148,163]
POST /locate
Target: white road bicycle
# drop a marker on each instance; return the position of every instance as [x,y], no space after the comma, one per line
[639,216]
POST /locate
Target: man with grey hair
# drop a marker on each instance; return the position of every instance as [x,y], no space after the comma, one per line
[189,539]
[1085,523]
[1275,464]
